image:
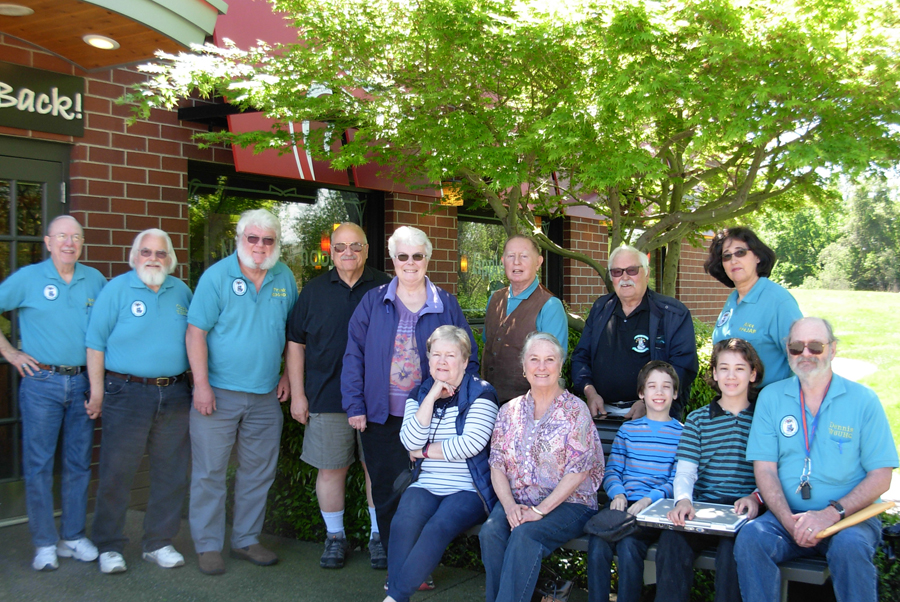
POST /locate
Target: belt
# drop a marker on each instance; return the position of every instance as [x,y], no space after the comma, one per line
[64,370]
[162,381]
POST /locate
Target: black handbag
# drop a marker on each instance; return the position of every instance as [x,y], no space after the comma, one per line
[407,477]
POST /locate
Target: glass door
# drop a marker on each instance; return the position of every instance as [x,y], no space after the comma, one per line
[31,195]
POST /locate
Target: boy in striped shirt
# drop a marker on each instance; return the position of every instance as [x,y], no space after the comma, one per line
[639,472]
[712,468]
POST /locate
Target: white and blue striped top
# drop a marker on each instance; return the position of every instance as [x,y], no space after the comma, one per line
[451,475]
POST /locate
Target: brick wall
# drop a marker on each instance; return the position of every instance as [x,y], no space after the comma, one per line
[703,294]
[439,223]
[122,179]
[581,283]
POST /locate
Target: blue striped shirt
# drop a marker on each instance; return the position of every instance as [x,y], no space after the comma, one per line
[450,475]
[642,460]
[716,441]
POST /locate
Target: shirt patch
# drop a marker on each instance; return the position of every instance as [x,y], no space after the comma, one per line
[789,426]
[640,343]
[138,309]
[181,310]
[723,318]
[51,292]
[239,287]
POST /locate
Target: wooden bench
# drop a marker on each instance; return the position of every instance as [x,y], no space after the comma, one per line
[813,571]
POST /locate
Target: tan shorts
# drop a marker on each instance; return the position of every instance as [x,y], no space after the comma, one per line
[330,443]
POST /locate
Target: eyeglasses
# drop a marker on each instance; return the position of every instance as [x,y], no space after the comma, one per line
[726,257]
[76,238]
[797,347]
[254,239]
[630,270]
[159,254]
[340,247]
[403,257]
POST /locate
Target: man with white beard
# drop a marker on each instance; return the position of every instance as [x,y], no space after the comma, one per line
[137,366]
[235,340]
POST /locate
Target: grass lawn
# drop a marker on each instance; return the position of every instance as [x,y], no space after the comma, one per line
[868,326]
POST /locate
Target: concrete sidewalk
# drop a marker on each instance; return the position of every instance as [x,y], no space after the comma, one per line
[297,577]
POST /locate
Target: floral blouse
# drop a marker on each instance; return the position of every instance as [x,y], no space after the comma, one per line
[535,456]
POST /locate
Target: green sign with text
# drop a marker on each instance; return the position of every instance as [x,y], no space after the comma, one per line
[44,101]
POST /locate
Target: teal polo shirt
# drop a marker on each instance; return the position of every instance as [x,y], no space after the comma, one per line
[53,315]
[141,332]
[763,317]
[245,329]
[852,438]
[552,317]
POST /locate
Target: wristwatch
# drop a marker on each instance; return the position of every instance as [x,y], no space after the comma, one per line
[837,506]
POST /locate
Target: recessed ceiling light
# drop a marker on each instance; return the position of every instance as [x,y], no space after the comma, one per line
[15,10]
[101,42]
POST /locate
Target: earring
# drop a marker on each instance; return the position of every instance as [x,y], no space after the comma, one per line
[524,375]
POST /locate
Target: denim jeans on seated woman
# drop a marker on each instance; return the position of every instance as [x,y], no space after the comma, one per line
[512,557]
[422,528]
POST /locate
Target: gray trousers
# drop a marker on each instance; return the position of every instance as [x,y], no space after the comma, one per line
[252,421]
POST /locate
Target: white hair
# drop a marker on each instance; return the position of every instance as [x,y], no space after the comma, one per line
[136,248]
[60,218]
[642,257]
[407,235]
[534,337]
[261,219]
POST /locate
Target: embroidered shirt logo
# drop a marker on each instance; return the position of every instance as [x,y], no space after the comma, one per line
[789,426]
[640,343]
[723,318]
[51,292]
[239,287]
[138,309]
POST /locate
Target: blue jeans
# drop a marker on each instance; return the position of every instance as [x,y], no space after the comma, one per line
[48,403]
[675,557]
[764,542]
[136,417]
[512,557]
[632,551]
[422,528]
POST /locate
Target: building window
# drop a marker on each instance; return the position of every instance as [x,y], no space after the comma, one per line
[308,215]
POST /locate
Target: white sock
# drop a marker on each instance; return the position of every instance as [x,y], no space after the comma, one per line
[334,522]
[373,520]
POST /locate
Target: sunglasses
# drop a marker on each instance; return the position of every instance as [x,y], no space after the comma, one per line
[797,347]
[149,253]
[61,238]
[630,270]
[253,239]
[403,257]
[340,247]
[726,257]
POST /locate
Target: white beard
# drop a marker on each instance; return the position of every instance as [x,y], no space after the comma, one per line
[271,260]
[151,277]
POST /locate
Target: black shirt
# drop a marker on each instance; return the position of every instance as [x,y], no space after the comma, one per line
[623,350]
[319,320]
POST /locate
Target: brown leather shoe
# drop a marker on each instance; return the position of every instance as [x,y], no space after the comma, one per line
[211,563]
[256,554]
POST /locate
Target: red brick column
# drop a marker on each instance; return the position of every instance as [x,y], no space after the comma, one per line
[582,285]
[438,222]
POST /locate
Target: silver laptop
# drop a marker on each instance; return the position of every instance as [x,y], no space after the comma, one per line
[714,519]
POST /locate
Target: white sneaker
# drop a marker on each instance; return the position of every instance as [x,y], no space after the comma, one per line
[79,549]
[45,559]
[167,557]
[112,562]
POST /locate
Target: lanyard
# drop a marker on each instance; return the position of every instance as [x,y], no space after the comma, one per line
[808,438]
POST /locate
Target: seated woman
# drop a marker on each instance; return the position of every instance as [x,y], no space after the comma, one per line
[546,467]
[447,431]
[712,467]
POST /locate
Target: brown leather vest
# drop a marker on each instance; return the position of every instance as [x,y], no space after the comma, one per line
[504,336]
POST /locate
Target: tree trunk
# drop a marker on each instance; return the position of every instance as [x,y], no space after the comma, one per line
[670,269]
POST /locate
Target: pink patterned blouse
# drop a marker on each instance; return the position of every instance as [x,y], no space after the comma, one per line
[536,455]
